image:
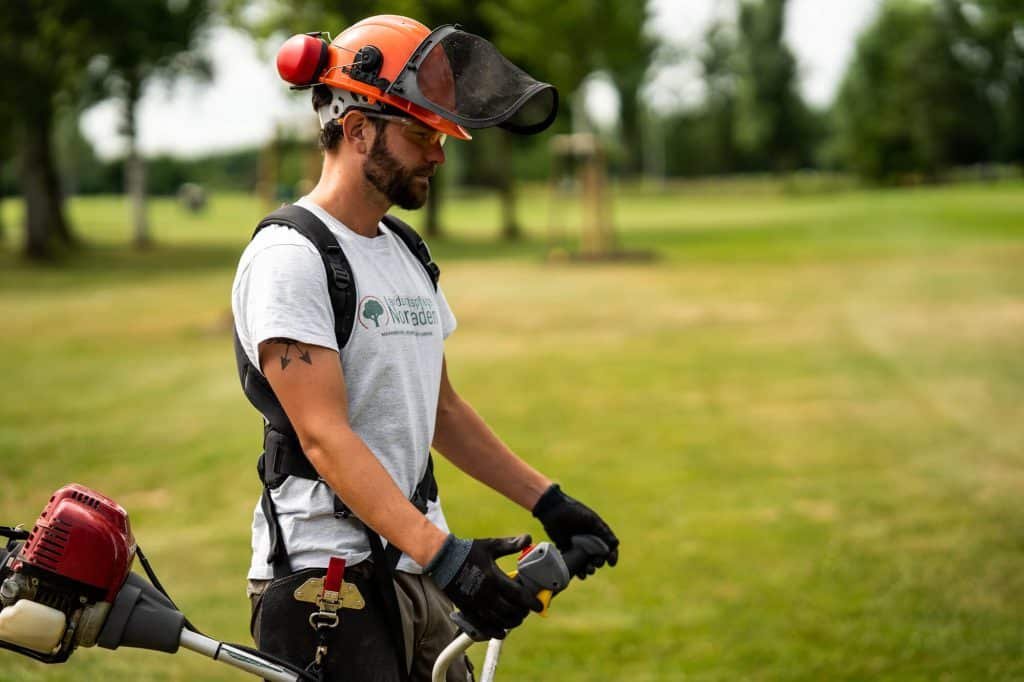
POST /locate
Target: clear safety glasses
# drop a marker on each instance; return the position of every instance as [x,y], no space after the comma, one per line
[412,130]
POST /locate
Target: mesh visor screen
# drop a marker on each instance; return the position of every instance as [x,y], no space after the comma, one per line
[472,83]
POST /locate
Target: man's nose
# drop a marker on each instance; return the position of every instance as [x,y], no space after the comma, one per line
[435,153]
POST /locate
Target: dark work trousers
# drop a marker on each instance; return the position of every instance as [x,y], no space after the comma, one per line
[361,648]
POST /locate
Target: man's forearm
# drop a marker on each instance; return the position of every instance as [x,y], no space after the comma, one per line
[349,467]
[465,439]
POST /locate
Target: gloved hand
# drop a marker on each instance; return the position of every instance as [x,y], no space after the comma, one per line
[563,517]
[489,599]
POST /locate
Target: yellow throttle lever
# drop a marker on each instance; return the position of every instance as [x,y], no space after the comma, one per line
[542,570]
[543,595]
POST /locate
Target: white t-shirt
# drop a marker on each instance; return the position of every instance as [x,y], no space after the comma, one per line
[391,363]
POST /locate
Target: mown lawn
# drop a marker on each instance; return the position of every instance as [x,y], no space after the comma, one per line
[803,418]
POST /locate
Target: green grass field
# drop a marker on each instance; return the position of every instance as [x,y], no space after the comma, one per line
[804,419]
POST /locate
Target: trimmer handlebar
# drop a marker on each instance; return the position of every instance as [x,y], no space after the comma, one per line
[583,548]
[545,572]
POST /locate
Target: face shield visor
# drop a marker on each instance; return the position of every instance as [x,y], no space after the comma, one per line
[465,79]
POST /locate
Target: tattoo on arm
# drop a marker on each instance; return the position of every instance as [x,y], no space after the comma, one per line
[288,343]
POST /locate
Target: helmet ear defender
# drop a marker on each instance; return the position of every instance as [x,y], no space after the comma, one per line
[302,59]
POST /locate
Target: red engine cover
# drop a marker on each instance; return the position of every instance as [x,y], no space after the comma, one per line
[83,536]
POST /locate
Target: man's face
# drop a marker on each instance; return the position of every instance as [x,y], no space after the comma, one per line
[405,185]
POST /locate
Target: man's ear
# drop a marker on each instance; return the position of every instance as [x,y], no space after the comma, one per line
[358,131]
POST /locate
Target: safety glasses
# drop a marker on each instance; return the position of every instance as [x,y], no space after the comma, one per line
[412,130]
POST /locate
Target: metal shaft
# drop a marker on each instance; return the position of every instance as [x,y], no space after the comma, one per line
[491,660]
[450,653]
[229,655]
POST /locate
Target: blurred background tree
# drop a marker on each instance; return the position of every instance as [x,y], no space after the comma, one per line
[910,104]
[42,46]
[60,55]
[771,123]
[137,43]
[988,38]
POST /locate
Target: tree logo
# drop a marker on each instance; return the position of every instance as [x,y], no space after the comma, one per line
[370,308]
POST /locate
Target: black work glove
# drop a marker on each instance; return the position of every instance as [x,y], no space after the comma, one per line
[563,517]
[489,599]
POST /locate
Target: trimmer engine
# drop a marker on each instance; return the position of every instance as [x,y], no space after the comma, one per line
[57,583]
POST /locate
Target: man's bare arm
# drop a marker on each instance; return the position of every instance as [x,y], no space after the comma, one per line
[465,439]
[309,383]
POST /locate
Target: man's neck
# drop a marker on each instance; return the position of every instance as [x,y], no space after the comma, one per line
[343,194]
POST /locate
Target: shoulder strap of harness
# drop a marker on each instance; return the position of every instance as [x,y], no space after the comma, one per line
[340,283]
[414,242]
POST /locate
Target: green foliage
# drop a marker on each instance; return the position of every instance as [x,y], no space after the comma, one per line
[606,36]
[989,42]
[277,19]
[718,65]
[910,104]
[753,118]
[45,45]
[72,53]
[140,40]
[81,170]
[771,123]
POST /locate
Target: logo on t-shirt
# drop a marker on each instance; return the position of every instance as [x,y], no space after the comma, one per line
[415,315]
[373,310]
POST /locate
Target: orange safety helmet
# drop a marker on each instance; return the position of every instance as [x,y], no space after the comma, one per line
[446,78]
[364,59]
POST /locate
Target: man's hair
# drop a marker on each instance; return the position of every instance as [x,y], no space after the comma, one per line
[332,133]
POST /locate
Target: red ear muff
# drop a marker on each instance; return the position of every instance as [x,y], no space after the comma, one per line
[302,59]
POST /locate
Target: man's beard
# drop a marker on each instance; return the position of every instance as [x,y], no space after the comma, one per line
[392,179]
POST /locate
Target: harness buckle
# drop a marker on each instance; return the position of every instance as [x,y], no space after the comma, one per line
[323,619]
[341,276]
[330,593]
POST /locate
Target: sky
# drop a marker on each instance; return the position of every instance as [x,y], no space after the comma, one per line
[246,100]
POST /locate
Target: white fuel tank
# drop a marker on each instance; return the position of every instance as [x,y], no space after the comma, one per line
[32,625]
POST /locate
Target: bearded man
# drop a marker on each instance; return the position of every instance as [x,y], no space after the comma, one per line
[340,327]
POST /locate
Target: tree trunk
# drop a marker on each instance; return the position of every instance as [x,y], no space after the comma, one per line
[432,228]
[44,204]
[135,168]
[629,120]
[507,189]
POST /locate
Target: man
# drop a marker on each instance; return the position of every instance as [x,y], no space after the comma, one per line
[363,407]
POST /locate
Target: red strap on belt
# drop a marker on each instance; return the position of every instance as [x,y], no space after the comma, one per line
[335,574]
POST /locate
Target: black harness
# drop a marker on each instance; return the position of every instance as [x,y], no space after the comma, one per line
[282,453]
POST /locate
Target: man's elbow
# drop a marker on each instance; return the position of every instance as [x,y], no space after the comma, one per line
[448,407]
[321,445]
